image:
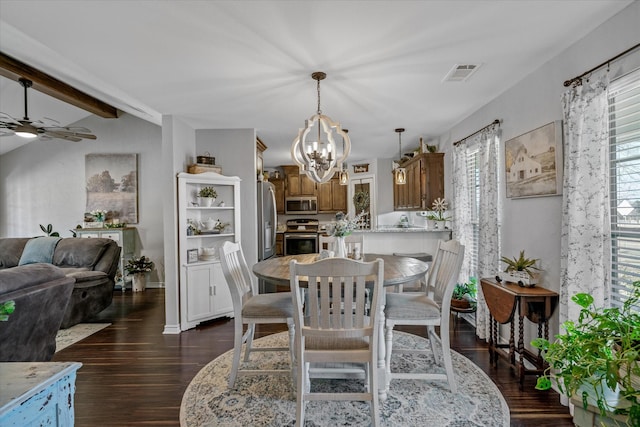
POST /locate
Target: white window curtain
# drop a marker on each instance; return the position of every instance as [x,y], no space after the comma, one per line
[485,146]
[585,240]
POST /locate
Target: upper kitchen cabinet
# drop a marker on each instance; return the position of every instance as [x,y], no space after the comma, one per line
[332,197]
[278,183]
[425,183]
[297,184]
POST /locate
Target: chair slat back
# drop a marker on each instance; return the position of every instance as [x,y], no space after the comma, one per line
[237,274]
[444,271]
[336,296]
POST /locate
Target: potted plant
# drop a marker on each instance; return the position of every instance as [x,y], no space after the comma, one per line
[207,195]
[597,353]
[6,308]
[138,267]
[464,294]
[521,270]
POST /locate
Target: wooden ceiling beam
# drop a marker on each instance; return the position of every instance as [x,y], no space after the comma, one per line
[42,82]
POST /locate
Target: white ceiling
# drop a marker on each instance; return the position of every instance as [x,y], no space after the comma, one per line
[247,64]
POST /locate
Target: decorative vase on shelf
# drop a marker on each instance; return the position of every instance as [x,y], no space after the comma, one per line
[139,283]
[340,247]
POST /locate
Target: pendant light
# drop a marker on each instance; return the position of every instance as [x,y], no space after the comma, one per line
[319,159]
[343,177]
[400,173]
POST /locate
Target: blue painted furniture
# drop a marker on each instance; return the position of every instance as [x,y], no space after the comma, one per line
[37,393]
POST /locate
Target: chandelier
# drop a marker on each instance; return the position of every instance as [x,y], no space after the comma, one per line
[400,173]
[318,159]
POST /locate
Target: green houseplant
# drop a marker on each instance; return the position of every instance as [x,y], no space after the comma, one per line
[597,352]
[464,294]
[139,265]
[208,192]
[6,308]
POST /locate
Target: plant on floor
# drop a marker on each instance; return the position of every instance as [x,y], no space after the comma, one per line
[600,351]
[521,263]
[139,265]
[49,230]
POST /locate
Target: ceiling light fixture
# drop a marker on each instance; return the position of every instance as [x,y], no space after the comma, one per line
[343,177]
[400,173]
[319,159]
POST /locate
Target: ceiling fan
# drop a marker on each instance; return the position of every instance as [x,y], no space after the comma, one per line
[27,128]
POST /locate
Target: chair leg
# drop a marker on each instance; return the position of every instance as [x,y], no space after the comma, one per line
[387,354]
[237,348]
[250,331]
[373,389]
[292,354]
[446,356]
[300,392]
[433,339]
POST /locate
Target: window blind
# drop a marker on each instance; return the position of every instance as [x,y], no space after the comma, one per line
[624,152]
[473,178]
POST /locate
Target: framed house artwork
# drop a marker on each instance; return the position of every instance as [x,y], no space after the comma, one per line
[112,186]
[533,162]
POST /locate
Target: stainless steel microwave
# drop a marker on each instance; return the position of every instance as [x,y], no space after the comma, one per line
[306,205]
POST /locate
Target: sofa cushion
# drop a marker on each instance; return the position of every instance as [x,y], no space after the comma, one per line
[79,252]
[39,249]
[15,278]
[85,276]
[10,250]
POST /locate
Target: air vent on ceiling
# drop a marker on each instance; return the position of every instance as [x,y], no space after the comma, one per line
[461,72]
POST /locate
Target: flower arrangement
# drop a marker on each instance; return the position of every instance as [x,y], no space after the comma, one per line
[439,207]
[139,265]
[344,226]
[99,214]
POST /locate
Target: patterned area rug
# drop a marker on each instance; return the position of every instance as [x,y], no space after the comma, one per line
[269,400]
[72,335]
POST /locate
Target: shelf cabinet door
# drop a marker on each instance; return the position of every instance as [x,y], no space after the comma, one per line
[278,183]
[222,303]
[332,197]
[199,293]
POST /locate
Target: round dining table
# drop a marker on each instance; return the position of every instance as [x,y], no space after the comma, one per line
[398,270]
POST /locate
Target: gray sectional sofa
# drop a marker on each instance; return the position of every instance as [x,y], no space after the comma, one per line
[92,263]
[41,293]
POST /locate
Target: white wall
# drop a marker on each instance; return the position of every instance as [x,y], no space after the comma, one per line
[235,152]
[43,182]
[533,224]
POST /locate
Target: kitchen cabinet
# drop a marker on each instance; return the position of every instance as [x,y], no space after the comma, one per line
[204,293]
[125,237]
[297,184]
[425,183]
[332,197]
[279,244]
[278,183]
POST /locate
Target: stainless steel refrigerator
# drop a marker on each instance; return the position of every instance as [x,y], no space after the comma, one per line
[267,220]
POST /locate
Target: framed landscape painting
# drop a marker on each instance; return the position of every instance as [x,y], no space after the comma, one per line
[112,186]
[533,162]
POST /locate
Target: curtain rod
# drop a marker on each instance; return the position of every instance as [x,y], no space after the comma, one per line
[578,80]
[493,123]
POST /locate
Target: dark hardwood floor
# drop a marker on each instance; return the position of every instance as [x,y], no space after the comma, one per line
[133,375]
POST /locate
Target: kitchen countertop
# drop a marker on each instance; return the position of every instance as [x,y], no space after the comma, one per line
[392,229]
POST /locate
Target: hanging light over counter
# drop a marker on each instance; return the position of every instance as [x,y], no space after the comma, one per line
[318,158]
[400,173]
[344,173]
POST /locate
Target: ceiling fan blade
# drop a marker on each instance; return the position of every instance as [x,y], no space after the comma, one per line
[7,119]
[60,135]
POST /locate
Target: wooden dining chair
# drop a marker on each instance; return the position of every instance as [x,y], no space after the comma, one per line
[430,309]
[251,308]
[324,334]
[352,241]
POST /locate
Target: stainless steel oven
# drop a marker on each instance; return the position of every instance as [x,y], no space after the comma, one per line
[301,237]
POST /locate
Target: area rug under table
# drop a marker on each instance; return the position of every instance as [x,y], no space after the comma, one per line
[69,336]
[268,400]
